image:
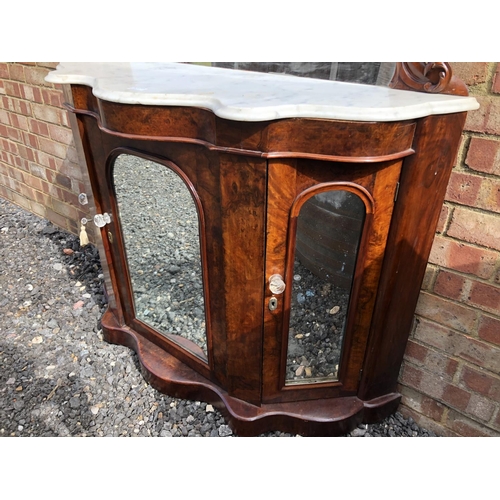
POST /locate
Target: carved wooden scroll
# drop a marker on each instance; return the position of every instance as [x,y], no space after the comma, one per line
[431,77]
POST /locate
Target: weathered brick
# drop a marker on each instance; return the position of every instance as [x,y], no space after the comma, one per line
[458,345]
[443,219]
[5,192]
[496,80]
[55,191]
[489,329]
[4,117]
[70,198]
[19,121]
[52,97]
[38,171]
[481,383]
[64,209]
[466,427]
[16,72]
[410,375]
[463,188]
[48,161]
[480,407]
[463,257]
[13,89]
[471,73]
[4,71]
[46,113]
[61,134]
[496,422]
[477,119]
[451,285]
[484,155]
[52,147]
[493,122]
[19,199]
[441,364]
[70,169]
[16,105]
[475,227]
[489,195]
[415,353]
[36,76]
[429,277]
[26,153]
[38,208]
[31,93]
[57,219]
[486,119]
[35,182]
[27,191]
[456,397]
[14,173]
[485,296]
[422,404]
[447,313]
[13,134]
[44,199]
[39,128]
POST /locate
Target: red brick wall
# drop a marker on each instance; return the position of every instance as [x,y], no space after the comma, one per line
[39,166]
[450,378]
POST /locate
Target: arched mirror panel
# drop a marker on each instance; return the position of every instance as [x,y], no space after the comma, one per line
[160,225]
[329,227]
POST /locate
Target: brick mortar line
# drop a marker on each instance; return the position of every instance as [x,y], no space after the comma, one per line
[471,171]
[475,209]
[481,135]
[487,423]
[463,304]
[51,197]
[462,363]
[419,317]
[475,277]
[453,238]
[63,127]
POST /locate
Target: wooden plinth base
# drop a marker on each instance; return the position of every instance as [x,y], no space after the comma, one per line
[324,417]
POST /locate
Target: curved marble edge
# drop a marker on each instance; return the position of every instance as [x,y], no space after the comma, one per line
[248,96]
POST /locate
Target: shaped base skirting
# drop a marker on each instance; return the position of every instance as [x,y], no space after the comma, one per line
[322,417]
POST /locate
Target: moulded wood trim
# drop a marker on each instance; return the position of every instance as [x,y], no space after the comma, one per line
[244,152]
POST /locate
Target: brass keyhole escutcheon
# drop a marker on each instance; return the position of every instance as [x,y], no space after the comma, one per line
[273,303]
[110,236]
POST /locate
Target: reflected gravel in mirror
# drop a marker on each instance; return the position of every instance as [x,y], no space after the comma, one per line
[159,222]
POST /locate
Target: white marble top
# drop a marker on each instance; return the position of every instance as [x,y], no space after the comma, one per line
[249,96]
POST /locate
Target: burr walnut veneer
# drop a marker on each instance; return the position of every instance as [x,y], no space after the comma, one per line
[315,205]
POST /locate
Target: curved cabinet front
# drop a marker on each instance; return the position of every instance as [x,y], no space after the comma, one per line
[247,258]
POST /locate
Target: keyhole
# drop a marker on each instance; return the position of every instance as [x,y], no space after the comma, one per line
[273,303]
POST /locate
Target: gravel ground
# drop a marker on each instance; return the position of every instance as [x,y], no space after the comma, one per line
[57,375]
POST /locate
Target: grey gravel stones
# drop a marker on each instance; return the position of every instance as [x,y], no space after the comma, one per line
[57,375]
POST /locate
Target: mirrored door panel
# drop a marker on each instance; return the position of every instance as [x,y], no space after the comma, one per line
[328,234]
[161,232]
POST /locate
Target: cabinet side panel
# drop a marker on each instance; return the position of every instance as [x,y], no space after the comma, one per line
[243,195]
[424,179]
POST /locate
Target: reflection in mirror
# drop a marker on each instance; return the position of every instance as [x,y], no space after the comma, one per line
[159,223]
[369,73]
[329,228]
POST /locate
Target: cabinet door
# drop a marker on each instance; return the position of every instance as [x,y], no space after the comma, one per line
[326,232]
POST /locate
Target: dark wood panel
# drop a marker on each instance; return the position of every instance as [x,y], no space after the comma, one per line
[424,177]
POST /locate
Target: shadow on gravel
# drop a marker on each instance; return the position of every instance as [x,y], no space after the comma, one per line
[36,404]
